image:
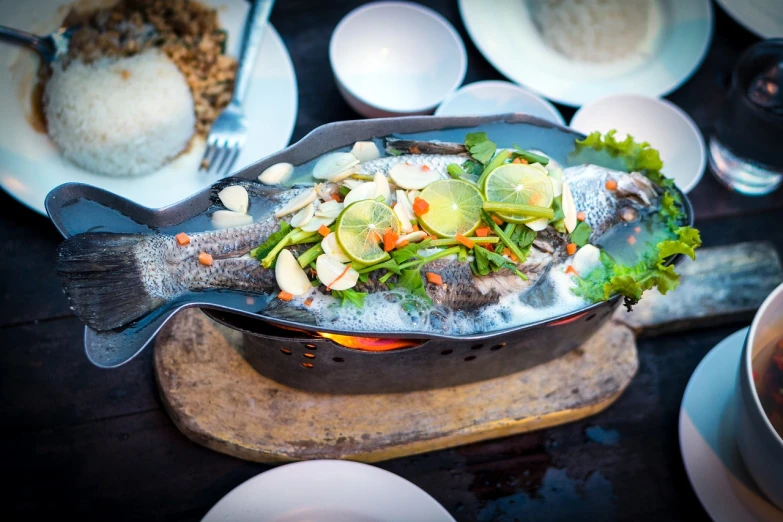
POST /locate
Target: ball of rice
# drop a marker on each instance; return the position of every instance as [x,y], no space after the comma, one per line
[598,31]
[120,117]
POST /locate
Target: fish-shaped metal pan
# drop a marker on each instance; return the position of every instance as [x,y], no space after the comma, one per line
[77,208]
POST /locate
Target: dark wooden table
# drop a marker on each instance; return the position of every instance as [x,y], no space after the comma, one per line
[82,441]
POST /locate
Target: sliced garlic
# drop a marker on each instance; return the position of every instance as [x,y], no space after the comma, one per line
[414,237]
[276,174]
[365,151]
[303,217]
[586,259]
[235,198]
[315,223]
[569,209]
[329,209]
[334,164]
[402,215]
[382,187]
[364,191]
[297,202]
[333,273]
[352,183]
[402,199]
[557,187]
[332,248]
[230,219]
[325,190]
[409,176]
[538,225]
[289,275]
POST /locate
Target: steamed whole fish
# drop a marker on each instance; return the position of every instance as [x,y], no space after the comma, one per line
[114,279]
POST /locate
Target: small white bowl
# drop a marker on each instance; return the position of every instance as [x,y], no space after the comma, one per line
[661,123]
[396,58]
[497,97]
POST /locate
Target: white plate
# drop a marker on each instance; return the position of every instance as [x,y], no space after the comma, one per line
[31,165]
[707,443]
[506,36]
[327,491]
[661,123]
[763,17]
[497,97]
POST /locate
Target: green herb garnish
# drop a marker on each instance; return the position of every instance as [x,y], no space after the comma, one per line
[485,262]
[350,296]
[581,234]
[480,147]
[530,157]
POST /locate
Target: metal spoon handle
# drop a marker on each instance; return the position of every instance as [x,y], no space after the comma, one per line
[257,18]
[16,36]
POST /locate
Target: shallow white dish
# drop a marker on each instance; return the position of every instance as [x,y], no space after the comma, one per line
[505,34]
[396,58]
[707,439]
[763,17]
[31,164]
[497,97]
[661,123]
[327,491]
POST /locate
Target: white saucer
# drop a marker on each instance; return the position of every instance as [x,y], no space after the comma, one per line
[763,17]
[709,451]
[327,491]
[31,165]
[505,34]
[661,123]
[497,97]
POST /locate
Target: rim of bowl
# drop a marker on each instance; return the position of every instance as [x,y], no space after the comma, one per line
[504,84]
[678,111]
[749,358]
[426,11]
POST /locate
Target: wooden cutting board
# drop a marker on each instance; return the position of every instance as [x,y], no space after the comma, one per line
[217,399]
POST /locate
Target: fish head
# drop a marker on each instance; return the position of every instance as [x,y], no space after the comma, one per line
[636,188]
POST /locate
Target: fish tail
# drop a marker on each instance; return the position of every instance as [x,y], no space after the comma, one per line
[104,279]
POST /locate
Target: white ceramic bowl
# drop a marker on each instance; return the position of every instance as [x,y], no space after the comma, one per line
[396,58]
[497,97]
[760,445]
[661,123]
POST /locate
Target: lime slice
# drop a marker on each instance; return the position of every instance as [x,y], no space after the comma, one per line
[519,185]
[455,208]
[360,229]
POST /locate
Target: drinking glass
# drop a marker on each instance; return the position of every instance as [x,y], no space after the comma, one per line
[746,149]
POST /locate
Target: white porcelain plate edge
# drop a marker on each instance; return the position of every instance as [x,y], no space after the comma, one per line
[31,165]
[707,445]
[327,490]
[762,17]
[506,36]
[660,122]
[497,97]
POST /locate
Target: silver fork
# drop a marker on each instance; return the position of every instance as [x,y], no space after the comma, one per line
[229,131]
[51,47]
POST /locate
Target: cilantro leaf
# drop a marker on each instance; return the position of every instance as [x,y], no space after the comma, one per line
[262,250]
[480,147]
[350,296]
[401,255]
[473,168]
[581,234]
[523,236]
[557,206]
[485,262]
[411,281]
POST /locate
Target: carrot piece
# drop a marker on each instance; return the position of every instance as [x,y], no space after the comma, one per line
[490,247]
[420,207]
[507,252]
[425,168]
[285,296]
[182,239]
[571,249]
[637,229]
[205,259]
[497,220]
[337,197]
[611,185]
[415,228]
[347,267]
[414,150]
[571,270]
[403,243]
[581,216]
[517,161]
[434,278]
[324,230]
[482,231]
[389,240]
[462,240]
[631,240]
[308,301]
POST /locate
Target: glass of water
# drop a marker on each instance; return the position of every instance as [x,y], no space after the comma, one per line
[746,149]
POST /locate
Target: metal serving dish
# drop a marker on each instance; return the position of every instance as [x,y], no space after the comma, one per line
[287,351]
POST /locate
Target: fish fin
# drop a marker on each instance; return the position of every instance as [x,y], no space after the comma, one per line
[401,146]
[103,280]
[281,310]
